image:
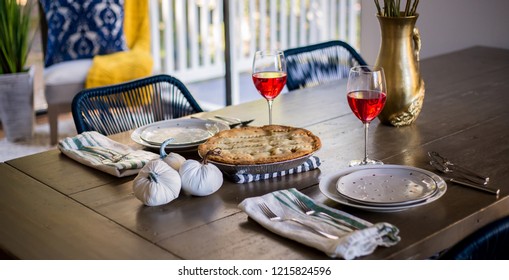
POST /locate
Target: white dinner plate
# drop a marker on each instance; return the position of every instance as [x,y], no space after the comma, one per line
[328,186]
[187,133]
[387,186]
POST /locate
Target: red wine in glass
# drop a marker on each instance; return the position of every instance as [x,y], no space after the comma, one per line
[269,84]
[366,95]
[269,75]
[366,104]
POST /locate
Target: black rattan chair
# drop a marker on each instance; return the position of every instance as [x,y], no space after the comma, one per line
[488,243]
[118,108]
[314,64]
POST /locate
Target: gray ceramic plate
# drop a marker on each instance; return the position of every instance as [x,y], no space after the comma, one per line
[328,186]
[387,186]
[188,133]
[260,168]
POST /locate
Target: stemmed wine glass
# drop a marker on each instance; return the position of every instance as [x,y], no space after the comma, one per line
[366,94]
[269,75]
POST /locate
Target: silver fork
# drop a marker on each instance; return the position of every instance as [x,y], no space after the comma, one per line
[234,121]
[310,212]
[444,169]
[448,166]
[273,217]
[105,153]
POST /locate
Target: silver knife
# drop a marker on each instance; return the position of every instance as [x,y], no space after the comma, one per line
[480,188]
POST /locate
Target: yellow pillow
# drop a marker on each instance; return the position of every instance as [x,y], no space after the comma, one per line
[127,65]
[119,67]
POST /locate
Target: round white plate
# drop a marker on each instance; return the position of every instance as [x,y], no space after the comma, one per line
[188,133]
[328,185]
[387,186]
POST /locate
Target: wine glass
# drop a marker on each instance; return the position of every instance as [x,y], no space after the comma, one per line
[366,94]
[269,75]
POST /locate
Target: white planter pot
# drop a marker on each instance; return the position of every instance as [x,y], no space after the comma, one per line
[17,105]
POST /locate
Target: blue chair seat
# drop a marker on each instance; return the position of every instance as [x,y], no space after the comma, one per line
[488,243]
[319,63]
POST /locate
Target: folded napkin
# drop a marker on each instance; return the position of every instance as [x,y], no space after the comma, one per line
[98,151]
[311,163]
[349,245]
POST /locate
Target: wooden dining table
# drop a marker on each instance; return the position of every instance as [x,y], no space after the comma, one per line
[52,207]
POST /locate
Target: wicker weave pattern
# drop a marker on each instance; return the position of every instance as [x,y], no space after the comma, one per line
[314,64]
[122,107]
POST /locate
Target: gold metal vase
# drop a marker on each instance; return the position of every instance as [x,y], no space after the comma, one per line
[399,56]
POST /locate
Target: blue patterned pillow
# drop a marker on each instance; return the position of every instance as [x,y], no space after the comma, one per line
[83,29]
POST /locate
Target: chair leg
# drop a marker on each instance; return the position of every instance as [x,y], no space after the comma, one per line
[53,125]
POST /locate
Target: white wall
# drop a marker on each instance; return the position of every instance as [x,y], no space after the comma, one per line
[445,26]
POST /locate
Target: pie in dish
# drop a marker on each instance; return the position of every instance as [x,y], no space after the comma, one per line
[260,145]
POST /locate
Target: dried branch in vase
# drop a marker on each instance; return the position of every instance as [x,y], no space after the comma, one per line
[391,8]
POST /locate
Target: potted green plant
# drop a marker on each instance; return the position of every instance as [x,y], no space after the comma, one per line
[16,80]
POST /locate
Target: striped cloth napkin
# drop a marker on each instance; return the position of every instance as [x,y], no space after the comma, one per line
[311,163]
[98,151]
[350,244]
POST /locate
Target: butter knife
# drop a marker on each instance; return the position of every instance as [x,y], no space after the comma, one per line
[480,188]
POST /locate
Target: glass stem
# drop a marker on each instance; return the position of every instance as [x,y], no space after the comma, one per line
[366,127]
[269,102]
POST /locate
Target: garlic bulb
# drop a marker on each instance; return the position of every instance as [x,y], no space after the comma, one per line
[200,179]
[172,159]
[157,183]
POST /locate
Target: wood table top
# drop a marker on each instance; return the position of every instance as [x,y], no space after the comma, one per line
[51,198]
